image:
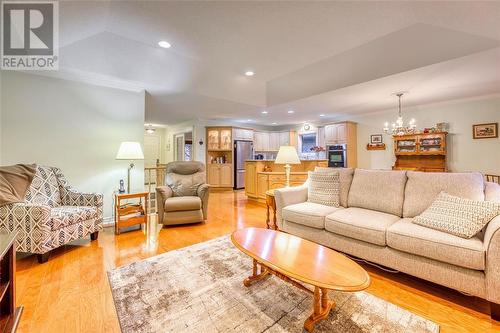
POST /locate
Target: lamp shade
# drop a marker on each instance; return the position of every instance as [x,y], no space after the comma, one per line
[287,155]
[130,151]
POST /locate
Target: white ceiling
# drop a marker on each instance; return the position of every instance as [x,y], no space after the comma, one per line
[334,58]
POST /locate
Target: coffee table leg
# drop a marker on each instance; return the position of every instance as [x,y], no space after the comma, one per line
[321,308]
[256,276]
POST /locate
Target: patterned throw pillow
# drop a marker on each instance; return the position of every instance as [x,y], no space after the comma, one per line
[324,188]
[458,216]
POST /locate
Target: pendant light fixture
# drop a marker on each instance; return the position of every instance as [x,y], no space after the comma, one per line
[398,127]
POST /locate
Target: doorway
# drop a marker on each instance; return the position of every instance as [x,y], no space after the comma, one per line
[183,146]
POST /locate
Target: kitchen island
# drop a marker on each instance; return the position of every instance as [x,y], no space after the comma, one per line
[263,175]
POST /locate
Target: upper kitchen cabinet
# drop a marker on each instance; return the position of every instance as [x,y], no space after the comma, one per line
[219,138]
[339,133]
[261,141]
[243,134]
[274,141]
[271,141]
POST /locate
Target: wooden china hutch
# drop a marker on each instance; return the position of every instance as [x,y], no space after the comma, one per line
[421,152]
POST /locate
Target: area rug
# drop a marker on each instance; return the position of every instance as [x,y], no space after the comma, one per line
[199,289]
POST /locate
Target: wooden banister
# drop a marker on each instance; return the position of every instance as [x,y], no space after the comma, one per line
[493,178]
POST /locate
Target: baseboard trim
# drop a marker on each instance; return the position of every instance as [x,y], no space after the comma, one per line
[108,221]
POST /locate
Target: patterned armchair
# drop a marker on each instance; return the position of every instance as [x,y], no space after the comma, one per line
[52,215]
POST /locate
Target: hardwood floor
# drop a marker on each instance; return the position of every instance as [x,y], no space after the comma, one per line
[70,293]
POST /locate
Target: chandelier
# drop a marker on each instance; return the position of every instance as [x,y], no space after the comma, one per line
[398,127]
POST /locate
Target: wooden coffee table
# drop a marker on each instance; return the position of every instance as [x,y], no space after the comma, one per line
[296,260]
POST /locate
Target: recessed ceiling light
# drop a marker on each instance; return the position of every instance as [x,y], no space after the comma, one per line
[264,112]
[321,115]
[249,73]
[164,44]
[291,111]
[274,124]
[249,120]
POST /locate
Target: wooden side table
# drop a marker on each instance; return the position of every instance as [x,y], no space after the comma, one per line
[129,214]
[9,313]
[271,205]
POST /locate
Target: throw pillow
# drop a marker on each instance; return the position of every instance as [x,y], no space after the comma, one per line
[324,188]
[345,175]
[458,216]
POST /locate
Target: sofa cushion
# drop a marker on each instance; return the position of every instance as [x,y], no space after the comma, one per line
[308,213]
[346,175]
[423,187]
[323,188]
[415,239]
[362,224]
[380,190]
[175,204]
[64,216]
[492,191]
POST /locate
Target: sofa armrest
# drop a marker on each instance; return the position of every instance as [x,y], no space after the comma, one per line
[162,194]
[203,192]
[289,196]
[33,222]
[492,271]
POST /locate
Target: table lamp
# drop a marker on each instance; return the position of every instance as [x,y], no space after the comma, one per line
[287,155]
[129,151]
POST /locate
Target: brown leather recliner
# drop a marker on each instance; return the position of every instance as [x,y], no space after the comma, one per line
[185,198]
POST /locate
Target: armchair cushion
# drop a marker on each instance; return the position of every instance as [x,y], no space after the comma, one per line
[185,185]
[176,204]
[64,216]
[44,188]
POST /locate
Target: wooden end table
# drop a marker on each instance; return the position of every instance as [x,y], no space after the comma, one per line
[129,214]
[9,313]
[271,205]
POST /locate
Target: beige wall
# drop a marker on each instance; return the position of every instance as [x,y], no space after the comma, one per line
[74,126]
[464,153]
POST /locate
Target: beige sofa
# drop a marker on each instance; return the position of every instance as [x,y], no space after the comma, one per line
[374,223]
[185,198]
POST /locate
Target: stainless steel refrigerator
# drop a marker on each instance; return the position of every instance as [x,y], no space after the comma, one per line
[243,150]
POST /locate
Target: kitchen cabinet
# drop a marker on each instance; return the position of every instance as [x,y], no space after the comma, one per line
[243,134]
[274,141]
[219,138]
[261,141]
[336,133]
[226,175]
[266,175]
[250,176]
[321,137]
[344,133]
[284,138]
[220,175]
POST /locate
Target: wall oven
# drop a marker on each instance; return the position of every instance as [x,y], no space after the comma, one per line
[337,156]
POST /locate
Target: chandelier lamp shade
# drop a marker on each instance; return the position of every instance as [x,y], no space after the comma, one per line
[398,127]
